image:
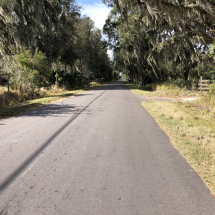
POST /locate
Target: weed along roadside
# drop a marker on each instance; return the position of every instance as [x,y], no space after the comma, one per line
[191,132]
[191,129]
[46,98]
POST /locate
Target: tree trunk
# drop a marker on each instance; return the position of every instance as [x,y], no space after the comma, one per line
[136,78]
[140,61]
[182,69]
[186,74]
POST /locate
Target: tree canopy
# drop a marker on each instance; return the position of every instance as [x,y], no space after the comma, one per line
[161,39]
[53,29]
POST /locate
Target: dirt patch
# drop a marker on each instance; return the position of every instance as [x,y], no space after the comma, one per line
[189,99]
[144,98]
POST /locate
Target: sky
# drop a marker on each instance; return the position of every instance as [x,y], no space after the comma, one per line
[96,10]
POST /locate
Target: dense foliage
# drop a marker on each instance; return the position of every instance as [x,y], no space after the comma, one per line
[41,40]
[162,39]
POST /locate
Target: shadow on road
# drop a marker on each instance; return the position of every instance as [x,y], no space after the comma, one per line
[51,110]
[83,94]
[32,157]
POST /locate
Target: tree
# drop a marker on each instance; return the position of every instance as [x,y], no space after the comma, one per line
[71,44]
[163,34]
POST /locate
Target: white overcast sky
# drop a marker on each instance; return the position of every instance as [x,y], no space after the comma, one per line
[97,11]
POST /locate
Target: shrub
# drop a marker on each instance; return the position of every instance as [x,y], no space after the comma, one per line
[30,68]
[184,84]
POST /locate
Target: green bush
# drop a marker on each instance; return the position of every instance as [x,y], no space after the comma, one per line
[184,84]
[30,68]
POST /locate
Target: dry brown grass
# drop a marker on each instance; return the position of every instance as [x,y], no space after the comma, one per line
[206,102]
[20,93]
[21,99]
[189,125]
[2,90]
[192,132]
[162,90]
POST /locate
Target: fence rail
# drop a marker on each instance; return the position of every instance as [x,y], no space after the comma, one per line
[201,85]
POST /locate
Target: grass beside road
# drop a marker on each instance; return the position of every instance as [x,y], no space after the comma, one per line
[189,125]
[163,90]
[49,97]
[192,132]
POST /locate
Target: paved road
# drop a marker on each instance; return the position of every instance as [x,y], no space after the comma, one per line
[97,153]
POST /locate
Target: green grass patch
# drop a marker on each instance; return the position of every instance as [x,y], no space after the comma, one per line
[192,132]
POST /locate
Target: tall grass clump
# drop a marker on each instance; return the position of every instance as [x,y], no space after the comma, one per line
[171,89]
[20,93]
[207,100]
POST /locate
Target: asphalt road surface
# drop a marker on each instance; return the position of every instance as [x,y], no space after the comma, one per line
[97,153]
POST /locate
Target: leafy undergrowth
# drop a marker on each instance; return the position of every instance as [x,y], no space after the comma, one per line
[19,104]
[192,132]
